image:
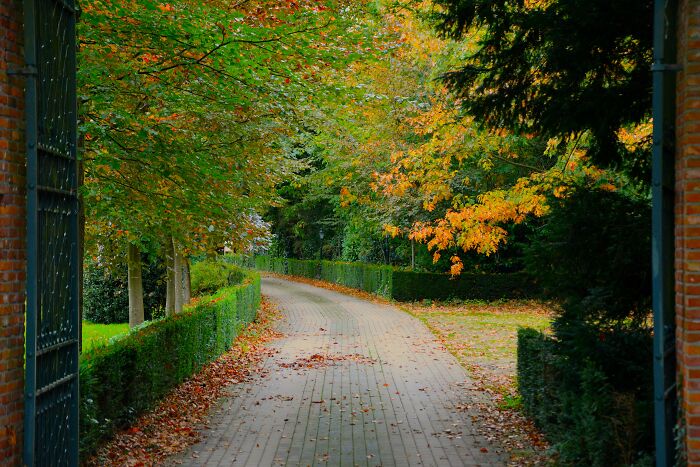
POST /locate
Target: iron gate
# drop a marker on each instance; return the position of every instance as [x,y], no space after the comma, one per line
[53,256]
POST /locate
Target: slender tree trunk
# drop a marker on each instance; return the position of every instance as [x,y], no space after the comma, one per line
[187,282]
[169,278]
[413,254]
[135,286]
[177,278]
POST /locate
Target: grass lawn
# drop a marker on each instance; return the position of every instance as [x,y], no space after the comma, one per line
[96,334]
[483,333]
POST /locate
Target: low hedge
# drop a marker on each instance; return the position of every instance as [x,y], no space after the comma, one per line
[268,263]
[302,268]
[397,283]
[371,278]
[590,418]
[121,380]
[409,286]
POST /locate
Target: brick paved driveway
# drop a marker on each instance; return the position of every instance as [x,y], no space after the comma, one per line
[383,392]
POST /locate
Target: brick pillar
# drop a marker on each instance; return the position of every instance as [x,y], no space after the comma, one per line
[688,223]
[12,233]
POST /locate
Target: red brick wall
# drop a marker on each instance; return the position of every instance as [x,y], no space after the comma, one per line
[688,223]
[12,233]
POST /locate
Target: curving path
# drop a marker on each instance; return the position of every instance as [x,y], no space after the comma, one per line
[388,394]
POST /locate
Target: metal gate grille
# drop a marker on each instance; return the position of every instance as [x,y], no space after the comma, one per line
[53,257]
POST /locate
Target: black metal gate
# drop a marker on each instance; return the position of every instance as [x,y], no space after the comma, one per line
[53,256]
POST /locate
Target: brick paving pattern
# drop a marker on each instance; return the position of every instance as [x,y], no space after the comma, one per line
[389,394]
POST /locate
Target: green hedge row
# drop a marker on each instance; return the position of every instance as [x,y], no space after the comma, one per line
[121,380]
[576,404]
[371,278]
[397,283]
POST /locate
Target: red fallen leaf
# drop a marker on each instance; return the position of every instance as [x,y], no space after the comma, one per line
[484,450]
[133,430]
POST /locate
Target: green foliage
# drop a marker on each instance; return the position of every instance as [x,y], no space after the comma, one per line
[122,380]
[303,268]
[408,285]
[593,255]
[590,417]
[552,67]
[106,295]
[400,284]
[589,386]
[209,276]
[267,263]
[368,277]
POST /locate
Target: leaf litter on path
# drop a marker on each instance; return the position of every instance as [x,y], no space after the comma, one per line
[487,352]
[174,424]
[323,360]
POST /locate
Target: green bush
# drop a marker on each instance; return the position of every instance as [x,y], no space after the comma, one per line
[270,264]
[399,284]
[303,268]
[106,294]
[127,377]
[371,278]
[589,417]
[592,254]
[408,286]
[209,276]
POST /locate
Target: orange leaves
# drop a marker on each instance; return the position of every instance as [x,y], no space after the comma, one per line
[457,265]
[392,230]
[149,58]
[637,136]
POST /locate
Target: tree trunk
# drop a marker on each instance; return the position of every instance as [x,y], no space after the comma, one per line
[170,277]
[177,279]
[413,254]
[135,286]
[187,282]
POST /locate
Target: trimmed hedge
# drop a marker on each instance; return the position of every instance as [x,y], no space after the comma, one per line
[121,380]
[371,278]
[408,286]
[588,417]
[399,284]
[302,268]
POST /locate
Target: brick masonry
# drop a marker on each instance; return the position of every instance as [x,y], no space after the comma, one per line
[12,233]
[688,223]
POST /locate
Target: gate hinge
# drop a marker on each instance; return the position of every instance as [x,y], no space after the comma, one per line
[666,67]
[28,70]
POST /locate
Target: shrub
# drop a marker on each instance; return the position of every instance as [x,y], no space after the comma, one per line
[593,255]
[303,268]
[397,283]
[408,285]
[209,276]
[127,377]
[371,278]
[583,408]
[106,293]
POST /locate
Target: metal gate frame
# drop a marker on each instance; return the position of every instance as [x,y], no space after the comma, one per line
[663,244]
[51,422]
